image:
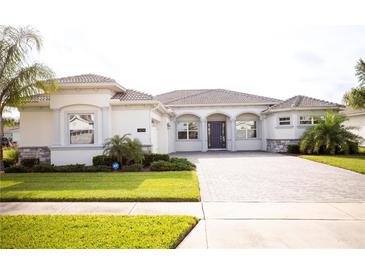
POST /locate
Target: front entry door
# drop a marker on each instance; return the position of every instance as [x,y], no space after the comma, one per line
[216,134]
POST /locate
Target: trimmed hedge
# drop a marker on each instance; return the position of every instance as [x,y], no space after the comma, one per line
[133,168]
[295,149]
[103,160]
[9,162]
[149,158]
[29,162]
[16,169]
[162,166]
[175,164]
[42,167]
[182,164]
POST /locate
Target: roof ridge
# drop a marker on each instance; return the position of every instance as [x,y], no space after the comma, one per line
[142,92]
[190,95]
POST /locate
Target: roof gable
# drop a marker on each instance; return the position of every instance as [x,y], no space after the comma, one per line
[85,79]
[212,96]
[301,101]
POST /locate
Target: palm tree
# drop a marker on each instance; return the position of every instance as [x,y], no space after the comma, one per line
[123,148]
[20,80]
[355,98]
[330,136]
[115,147]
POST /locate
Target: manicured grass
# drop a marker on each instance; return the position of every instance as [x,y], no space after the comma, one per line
[352,162]
[93,231]
[132,186]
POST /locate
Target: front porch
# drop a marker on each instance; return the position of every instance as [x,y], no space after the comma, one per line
[219,131]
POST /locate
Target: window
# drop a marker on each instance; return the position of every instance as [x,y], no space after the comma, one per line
[187,130]
[81,127]
[284,121]
[246,129]
[308,120]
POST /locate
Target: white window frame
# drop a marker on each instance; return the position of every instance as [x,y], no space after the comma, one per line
[187,131]
[67,127]
[284,125]
[238,137]
[311,120]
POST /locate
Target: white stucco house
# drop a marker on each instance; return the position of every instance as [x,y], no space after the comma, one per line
[356,118]
[71,125]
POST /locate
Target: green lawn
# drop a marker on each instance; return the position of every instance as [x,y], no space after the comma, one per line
[352,162]
[93,231]
[133,186]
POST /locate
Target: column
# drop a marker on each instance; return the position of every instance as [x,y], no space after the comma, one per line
[104,123]
[233,134]
[263,133]
[204,136]
[56,136]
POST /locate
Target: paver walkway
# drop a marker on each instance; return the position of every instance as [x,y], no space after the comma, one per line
[272,177]
[238,225]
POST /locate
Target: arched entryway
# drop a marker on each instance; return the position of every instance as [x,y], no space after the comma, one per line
[217,138]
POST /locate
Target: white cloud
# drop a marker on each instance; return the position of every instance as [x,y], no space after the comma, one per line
[156,46]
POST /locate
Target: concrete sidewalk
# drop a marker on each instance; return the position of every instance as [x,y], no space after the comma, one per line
[237,225]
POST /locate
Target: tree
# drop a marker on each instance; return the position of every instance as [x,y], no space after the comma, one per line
[123,148]
[330,136]
[355,98]
[19,80]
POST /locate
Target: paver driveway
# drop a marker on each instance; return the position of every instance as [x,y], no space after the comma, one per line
[269,177]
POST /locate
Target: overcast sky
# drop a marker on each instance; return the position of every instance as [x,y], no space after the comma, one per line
[277,49]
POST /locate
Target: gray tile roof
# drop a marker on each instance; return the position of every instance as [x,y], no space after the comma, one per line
[85,78]
[350,111]
[301,101]
[39,98]
[211,96]
[132,95]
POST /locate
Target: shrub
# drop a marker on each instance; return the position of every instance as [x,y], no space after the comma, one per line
[124,149]
[42,167]
[16,169]
[153,157]
[295,149]
[97,169]
[182,164]
[103,160]
[329,136]
[9,162]
[162,166]
[133,168]
[70,168]
[11,154]
[29,162]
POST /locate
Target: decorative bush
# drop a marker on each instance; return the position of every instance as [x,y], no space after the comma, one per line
[16,169]
[70,168]
[295,149]
[153,157]
[97,169]
[9,162]
[182,164]
[175,164]
[42,167]
[29,162]
[103,160]
[162,166]
[133,168]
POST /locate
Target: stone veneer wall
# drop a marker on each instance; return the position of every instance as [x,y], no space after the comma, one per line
[280,145]
[42,153]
